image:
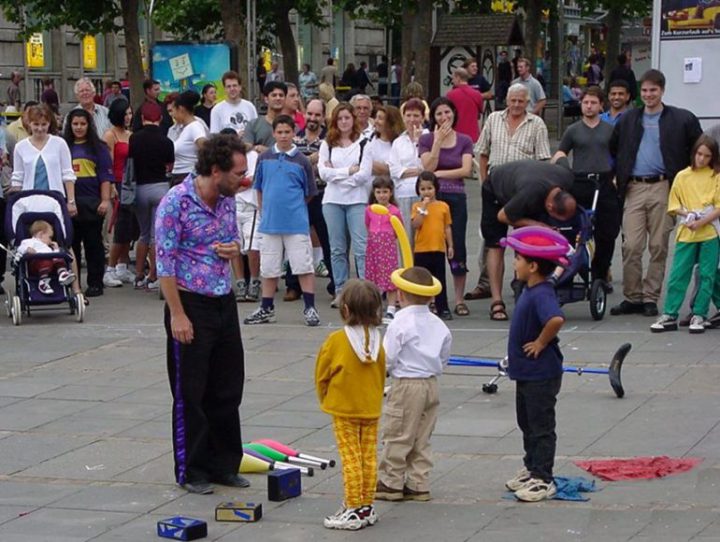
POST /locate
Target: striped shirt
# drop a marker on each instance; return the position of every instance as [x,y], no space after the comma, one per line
[529,142]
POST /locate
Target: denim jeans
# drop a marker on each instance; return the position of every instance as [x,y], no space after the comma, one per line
[340,220]
[535,409]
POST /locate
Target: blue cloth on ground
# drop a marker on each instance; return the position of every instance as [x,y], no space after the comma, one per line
[569,488]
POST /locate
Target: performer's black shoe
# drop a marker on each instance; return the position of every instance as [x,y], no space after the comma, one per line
[231,480]
[199,487]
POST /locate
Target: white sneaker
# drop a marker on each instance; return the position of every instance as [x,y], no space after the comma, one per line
[124,274]
[665,323]
[44,287]
[260,316]
[321,270]
[66,277]
[697,324]
[346,519]
[536,490]
[152,285]
[335,303]
[521,478]
[368,515]
[110,280]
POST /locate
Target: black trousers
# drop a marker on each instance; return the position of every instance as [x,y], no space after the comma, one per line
[435,263]
[535,410]
[206,381]
[315,215]
[88,235]
[608,217]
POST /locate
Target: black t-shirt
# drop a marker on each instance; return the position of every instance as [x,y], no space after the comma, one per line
[151,150]
[204,113]
[479,83]
[521,186]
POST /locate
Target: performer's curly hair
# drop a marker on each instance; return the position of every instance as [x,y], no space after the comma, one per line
[218,151]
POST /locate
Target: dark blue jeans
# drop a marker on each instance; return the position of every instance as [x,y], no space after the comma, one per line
[535,410]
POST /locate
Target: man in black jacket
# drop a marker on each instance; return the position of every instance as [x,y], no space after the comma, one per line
[650,146]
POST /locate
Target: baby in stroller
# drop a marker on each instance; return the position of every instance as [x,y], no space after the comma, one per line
[41,242]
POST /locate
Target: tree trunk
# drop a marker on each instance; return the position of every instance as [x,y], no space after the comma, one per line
[533,20]
[288,46]
[613,20]
[555,52]
[233,21]
[423,35]
[407,40]
[132,49]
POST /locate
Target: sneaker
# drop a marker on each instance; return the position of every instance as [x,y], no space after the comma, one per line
[66,277]
[44,287]
[260,316]
[346,519]
[665,323]
[93,291]
[712,322]
[124,274]
[335,303]
[253,291]
[140,283]
[241,294]
[109,279]
[697,324]
[385,493]
[625,307]
[152,285]
[650,309]
[521,478]
[312,318]
[412,495]
[536,490]
[321,270]
[389,317]
[368,515]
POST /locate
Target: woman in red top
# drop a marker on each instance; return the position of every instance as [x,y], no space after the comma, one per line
[117,139]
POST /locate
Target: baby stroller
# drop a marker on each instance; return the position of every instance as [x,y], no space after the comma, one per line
[23,209]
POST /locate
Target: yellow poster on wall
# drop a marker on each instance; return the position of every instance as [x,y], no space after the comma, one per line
[89,53]
[36,51]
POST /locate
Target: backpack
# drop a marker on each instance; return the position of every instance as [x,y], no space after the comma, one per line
[363,142]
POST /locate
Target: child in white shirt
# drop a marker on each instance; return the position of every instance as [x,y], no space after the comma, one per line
[41,243]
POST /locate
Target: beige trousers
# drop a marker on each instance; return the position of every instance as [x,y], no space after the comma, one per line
[645,224]
[408,423]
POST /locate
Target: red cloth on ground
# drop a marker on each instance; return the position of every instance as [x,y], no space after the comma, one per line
[638,467]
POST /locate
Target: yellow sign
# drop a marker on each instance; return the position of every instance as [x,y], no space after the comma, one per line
[89,53]
[35,51]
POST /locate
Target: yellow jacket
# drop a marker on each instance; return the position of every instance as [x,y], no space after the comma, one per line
[346,386]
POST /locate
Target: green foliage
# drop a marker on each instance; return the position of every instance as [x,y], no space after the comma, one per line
[87,17]
[630,8]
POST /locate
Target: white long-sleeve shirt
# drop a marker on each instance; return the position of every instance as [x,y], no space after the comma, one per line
[376,150]
[403,156]
[55,155]
[342,187]
[417,343]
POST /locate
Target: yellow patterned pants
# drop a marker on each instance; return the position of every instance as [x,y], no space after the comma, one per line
[357,446]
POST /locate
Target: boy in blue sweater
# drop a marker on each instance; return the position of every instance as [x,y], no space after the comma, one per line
[535,363]
[284,182]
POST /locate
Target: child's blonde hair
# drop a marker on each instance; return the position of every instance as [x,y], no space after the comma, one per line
[40,226]
[361,303]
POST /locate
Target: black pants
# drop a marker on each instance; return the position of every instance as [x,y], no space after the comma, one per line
[317,220]
[435,263]
[206,381]
[535,410]
[88,235]
[607,221]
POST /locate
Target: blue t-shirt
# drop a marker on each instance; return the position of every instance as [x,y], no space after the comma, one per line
[285,180]
[41,176]
[649,159]
[607,117]
[534,308]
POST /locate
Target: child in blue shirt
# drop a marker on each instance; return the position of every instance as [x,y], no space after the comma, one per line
[535,363]
[285,182]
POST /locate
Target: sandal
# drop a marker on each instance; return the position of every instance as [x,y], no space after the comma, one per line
[498,312]
[479,292]
[461,309]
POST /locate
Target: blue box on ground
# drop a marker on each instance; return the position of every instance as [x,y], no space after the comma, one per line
[181,528]
[284,484]
[238,511]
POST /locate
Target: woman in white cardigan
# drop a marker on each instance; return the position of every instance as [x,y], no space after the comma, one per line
[42,161]
[346,194]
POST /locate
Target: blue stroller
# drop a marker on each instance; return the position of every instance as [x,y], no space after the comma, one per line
[23,209]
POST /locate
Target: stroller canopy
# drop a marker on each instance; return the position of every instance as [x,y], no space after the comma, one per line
[26,207]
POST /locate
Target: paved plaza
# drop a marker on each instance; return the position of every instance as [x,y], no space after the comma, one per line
[85,441]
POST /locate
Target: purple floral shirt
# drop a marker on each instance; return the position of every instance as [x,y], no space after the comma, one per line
[185,231]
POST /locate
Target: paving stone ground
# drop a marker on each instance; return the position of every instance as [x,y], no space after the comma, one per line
[85,450]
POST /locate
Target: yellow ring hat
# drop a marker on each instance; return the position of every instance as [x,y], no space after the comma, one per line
[407,259]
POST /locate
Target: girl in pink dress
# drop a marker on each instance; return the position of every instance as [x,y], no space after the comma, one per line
[381,254]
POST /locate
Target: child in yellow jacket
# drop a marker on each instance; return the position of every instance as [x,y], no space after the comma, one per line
[349,378]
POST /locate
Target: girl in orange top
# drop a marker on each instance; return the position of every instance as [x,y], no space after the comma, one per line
[433,237]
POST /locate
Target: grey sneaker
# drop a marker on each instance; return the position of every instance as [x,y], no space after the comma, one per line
[697,324]
[521,478]
[260,316]
[253,290]
[312,318]
[241,293]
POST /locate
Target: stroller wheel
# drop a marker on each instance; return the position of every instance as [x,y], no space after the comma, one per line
[80,307]
[598,299]
[16,310]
